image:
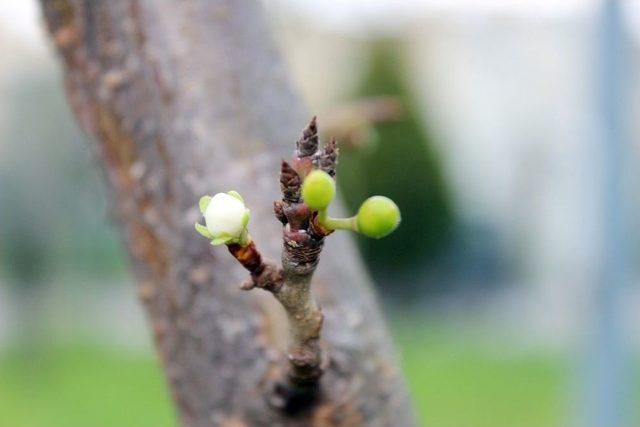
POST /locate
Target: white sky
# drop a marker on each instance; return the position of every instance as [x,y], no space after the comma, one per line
[22,18]
[349,12]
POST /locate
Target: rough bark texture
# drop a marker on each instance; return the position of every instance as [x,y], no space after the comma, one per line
[185,98]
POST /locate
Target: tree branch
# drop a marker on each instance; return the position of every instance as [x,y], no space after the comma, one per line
[182,98]
[291,285]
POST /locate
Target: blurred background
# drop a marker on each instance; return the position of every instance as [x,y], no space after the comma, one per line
[504,130]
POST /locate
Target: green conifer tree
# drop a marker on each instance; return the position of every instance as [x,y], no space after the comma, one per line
[404,164]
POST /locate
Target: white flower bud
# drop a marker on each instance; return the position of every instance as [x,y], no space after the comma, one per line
[226,218]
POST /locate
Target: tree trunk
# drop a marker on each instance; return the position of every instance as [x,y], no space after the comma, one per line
[186,98]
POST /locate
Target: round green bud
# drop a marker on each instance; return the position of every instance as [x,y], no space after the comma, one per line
[377,217]
[318,190]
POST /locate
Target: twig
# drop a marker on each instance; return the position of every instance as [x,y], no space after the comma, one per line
[353,123]
[291,285]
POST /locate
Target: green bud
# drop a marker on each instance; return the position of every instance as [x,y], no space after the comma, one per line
[318,190]
[377,217]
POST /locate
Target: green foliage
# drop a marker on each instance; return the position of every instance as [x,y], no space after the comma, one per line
[24,244]
[52,203]
[404,165]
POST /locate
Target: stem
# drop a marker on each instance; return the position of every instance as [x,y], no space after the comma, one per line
[337,223]
[299,260]
[291,287]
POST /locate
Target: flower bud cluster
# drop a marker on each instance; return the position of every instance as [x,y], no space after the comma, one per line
[377,217]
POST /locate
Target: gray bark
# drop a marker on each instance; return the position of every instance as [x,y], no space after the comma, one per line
[186,98]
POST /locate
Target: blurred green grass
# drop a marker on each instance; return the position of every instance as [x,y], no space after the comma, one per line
[82,385]
[455,383]
[463,381]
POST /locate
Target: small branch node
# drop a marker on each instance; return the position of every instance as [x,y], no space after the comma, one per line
[278,210]
[307,144]
[327,159]
[290,183]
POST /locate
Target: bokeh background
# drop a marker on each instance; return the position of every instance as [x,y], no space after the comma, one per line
[512,285]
